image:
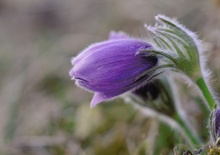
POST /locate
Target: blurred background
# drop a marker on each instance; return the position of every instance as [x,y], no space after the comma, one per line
[42,112]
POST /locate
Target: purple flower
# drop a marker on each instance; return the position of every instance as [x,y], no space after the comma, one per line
[215,124]
[111,68]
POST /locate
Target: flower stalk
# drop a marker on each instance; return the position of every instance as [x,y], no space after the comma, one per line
[200,82]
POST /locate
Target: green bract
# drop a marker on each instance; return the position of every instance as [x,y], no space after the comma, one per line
[180,48]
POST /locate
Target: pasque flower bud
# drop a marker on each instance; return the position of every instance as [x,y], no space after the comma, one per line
[111,68]
[215,125]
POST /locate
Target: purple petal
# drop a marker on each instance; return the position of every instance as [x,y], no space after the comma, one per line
[91,49]
[113,62]
[217,122]
[98,98]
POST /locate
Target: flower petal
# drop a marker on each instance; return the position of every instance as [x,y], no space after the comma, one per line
[91,49]
[98,98]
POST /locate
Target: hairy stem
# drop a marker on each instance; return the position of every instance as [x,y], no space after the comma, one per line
[206,92]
